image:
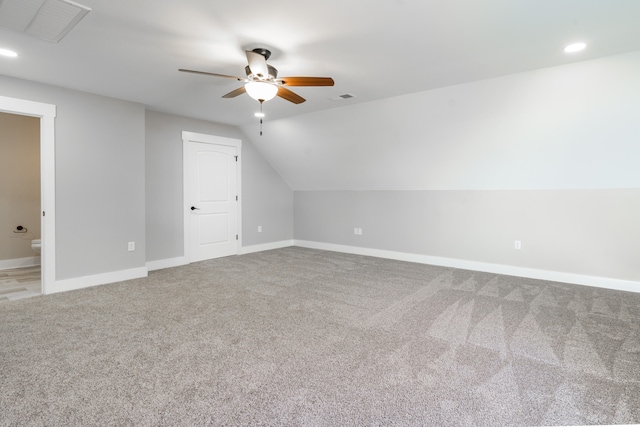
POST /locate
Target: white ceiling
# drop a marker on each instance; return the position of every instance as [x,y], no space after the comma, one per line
[373,49]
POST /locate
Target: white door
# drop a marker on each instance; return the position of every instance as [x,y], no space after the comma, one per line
[211,196]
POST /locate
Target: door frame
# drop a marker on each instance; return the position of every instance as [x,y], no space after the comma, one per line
[189,137]
[47,115]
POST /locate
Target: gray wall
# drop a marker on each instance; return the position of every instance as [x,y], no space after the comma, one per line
[266,199]
[114,162]
[588,232]
[99,178]
[549,157]
[19,184]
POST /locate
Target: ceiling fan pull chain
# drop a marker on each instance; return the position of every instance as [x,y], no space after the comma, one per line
[261,116]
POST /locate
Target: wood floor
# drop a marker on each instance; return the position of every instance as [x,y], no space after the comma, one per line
[18,283]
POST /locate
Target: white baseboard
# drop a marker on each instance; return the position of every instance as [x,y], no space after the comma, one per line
[30,261]
[167,263]
[531,273]
[266,247]
[97,279]
[178,261]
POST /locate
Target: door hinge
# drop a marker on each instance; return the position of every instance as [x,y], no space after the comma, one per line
[42,213]
[236,198]
[236,237]
[236,158]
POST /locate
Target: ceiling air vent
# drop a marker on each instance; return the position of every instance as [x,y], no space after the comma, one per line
[343,96]
[48,20]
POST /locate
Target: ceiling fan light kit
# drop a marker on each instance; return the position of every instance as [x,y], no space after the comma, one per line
[261,91]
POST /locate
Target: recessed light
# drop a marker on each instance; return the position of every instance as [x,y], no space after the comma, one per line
[7,52]
[575,47]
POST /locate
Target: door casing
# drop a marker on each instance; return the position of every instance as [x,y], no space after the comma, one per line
[47,115]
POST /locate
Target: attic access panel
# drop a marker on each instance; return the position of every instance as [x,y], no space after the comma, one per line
[48,20]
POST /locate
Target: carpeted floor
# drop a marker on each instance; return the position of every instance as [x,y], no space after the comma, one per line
[305,337]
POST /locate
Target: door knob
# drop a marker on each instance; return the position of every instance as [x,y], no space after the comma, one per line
[193,208]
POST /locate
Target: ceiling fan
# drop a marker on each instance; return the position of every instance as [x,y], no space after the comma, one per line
[262,82]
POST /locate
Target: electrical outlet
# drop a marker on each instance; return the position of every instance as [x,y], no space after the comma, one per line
[357,231]
[132,246]
[517,245]
[259,229]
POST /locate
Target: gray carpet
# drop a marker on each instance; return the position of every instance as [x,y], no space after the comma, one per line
[304,337]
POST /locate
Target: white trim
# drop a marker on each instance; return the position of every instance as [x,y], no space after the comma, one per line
[167,263]
[47,114]
[99,279]
[532,273]
[178,261]
[211,139]
[216,140]
[266,247]
[30,261]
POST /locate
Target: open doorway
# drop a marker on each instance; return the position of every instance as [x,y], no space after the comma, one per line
[46,115]
[20,245]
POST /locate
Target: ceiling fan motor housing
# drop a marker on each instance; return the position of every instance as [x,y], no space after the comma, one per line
[273,72]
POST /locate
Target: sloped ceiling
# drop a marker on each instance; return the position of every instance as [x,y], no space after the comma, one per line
[374,50]
[573,126]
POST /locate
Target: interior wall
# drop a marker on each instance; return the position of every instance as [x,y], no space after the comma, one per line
[99,178]
[19,184]
[105,166]
[557,130]
[266,199]
[583,232]
[548,157]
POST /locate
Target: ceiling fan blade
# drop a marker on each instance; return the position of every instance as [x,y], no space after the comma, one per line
[257,64]
[285,93]
[307,81]
[240,79]
[235,93]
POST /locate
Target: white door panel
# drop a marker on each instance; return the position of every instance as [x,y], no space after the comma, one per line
[213,176]
[213,228]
